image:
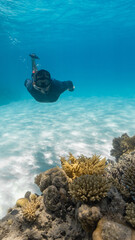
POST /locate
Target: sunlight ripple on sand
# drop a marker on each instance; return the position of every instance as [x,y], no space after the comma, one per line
[34,136]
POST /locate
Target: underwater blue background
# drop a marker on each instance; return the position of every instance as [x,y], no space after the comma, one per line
[91,43]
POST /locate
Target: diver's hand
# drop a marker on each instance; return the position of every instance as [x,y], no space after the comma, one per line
[71,89]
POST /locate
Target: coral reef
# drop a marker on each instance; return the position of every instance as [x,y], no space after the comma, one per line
[113,206]
[89,188]
[123,176]
[29,210]
[51,198]
[130,213]
[54,185]
[128,179]
[116,174]
[21,202]
[88,216]
[123,144]
[54,176]
[29,204]
[41,221]
[75,167]
[86,199]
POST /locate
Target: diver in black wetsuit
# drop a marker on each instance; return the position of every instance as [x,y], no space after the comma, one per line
[42,87]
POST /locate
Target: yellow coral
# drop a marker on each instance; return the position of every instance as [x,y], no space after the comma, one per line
[29,210]
[21,202]
[75,167]
[89,188]
[33,197]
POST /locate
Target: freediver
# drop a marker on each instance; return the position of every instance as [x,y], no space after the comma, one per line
[42,87]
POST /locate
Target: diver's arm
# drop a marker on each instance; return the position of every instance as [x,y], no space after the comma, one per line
[34,66]
[63,86]
[28,84]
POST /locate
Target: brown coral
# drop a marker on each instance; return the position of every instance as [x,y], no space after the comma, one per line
[123,176]
[54,176]
[123,144]
[131,143]
[130,213]
[89,188]
[75,167]
[128,179]
[52,198]
[88,216]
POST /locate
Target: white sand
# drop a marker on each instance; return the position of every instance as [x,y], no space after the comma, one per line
[33,136]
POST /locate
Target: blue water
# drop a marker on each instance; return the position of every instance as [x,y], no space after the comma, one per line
[91,43]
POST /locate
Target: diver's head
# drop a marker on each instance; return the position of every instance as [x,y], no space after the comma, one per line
[42,78]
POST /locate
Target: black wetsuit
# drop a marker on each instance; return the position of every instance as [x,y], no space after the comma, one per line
[55,90]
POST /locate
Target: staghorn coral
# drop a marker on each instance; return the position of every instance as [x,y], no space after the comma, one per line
[121,145]
[89,188]
[75,167]
[29,210]
[130,213]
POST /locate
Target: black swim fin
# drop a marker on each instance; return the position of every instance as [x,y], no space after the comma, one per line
[33,55]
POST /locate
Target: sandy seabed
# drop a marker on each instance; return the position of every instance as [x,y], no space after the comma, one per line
[34,135]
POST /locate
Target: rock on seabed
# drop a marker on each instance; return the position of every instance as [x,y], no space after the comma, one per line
[110,230]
